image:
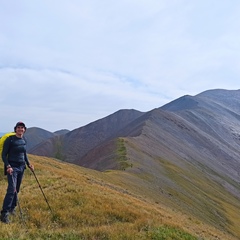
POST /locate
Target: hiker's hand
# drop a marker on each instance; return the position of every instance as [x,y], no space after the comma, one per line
[9,171]
[31,167]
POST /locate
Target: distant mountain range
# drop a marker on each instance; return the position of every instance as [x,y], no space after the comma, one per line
[35,136]
[185,153]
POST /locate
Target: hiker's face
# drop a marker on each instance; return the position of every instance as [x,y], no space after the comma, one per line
[20,130]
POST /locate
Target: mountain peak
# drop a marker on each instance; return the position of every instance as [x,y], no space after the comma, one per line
[182,103]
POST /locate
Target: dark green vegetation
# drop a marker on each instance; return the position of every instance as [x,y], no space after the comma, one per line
[122,154]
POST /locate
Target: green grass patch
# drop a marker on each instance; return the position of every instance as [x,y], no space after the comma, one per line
[122,154]
[168,232]
[58,154]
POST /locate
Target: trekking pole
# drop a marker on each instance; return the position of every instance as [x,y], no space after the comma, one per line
[41,190]
[18,203]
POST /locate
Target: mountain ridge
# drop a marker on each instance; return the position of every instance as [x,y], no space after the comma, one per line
[173,153]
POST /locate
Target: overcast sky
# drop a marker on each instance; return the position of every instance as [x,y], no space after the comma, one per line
[66,63]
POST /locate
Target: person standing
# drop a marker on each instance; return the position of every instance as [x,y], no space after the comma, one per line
[15,160]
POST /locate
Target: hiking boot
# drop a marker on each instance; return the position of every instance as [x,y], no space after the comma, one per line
[5,217]
[12,211]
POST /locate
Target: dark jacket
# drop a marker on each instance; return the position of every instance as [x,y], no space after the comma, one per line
[14,152]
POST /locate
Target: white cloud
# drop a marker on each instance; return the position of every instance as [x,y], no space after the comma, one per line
[67,63]
[47,96]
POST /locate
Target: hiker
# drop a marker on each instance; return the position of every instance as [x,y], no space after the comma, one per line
[15,159]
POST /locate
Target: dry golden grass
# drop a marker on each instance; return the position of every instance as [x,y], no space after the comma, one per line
[87,204]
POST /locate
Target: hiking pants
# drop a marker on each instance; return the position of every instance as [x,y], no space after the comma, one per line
[14,182]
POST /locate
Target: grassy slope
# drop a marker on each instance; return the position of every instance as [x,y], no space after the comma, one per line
[88,204]
[184,187]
